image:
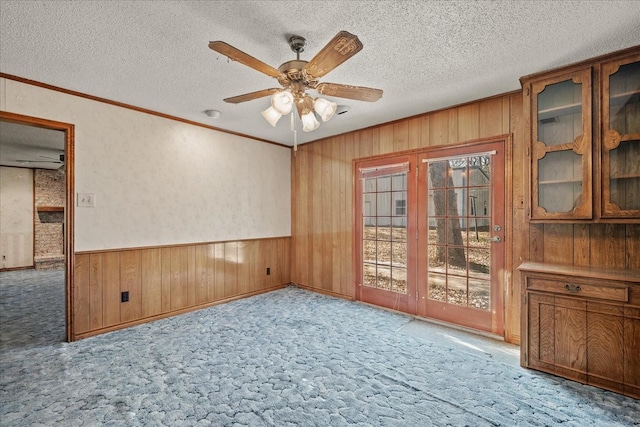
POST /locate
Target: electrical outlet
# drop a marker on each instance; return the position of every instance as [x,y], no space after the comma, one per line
[268,271]
[124,296]
[86,200]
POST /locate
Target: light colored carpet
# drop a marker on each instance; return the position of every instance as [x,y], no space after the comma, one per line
[286,358]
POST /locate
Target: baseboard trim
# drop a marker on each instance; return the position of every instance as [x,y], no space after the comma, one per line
[321,291]
[174,313]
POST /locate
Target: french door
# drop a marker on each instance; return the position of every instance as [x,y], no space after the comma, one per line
[430,234]
[385,232]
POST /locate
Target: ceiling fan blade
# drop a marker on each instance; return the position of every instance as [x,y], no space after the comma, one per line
[250,96]
[342,47]
[243,58]
[358,93]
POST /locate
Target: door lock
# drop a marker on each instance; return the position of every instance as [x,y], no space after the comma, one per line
[497,228]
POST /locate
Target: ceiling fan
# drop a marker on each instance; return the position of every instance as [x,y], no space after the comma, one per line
[297,76]
[59,160]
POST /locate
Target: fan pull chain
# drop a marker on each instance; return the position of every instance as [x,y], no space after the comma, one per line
[295,133]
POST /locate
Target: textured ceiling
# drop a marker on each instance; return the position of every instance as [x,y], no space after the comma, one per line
[425,55]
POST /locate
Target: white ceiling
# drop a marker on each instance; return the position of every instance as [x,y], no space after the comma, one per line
[425,55]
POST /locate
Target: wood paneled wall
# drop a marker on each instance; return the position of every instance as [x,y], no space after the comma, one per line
[163,281]
[322,190]
[322,202]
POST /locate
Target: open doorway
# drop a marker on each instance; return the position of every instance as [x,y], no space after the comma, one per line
[37,238]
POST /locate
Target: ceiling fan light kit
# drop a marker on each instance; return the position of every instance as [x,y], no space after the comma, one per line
[297,76]
[271,115]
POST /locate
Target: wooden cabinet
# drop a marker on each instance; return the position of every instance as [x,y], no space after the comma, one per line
[583,122]
[583,324]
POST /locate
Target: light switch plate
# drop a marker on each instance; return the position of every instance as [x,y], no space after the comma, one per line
[86,200]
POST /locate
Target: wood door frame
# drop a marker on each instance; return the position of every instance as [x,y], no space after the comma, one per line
[69,153]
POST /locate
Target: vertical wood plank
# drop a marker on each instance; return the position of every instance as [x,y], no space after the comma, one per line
[259,268]
[81,294]
[326,236]
[581,246]
[220,266]
[519,179]
[165,254]
[439,128]
[316,222]
[211,272]
[131,281]
[632,247]
[453,126]
[490,114]
[191,275]
[296,210]
[179,277]
[401,136]
[151,281]
[245,263]
[608,240]
[230,269]
[111,288]
[558,243]
[386,139]
[336,227]
[366,143]
[536,242]
[468,122]
[201,285]
[96,291]
[425,140]
[375,141]
[414,133]
[346,154]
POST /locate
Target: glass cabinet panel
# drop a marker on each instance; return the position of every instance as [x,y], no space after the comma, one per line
[621,139]
[561,147]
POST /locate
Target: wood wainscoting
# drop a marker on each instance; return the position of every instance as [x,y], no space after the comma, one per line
[169,280]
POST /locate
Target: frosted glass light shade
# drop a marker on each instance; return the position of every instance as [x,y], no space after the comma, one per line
[282,102]
[309,122]
[271,115]
[325,108]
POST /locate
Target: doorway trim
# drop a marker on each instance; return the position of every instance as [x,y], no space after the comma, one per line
[69,165]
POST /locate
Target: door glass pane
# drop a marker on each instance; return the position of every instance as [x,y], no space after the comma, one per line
[458,245]
[384,218]
[457,290]
[437,285]
[479,291]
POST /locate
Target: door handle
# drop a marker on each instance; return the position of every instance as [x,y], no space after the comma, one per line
[495,239]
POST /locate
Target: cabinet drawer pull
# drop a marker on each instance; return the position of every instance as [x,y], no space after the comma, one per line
[570,287]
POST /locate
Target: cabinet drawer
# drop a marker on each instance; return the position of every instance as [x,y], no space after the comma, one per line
[587,290]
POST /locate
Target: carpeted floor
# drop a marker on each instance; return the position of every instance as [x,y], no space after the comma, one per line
[286,358]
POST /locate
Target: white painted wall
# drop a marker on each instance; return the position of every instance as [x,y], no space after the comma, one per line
[159,181]
[16,217]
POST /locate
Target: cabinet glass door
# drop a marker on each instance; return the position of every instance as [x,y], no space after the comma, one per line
[621,139]
[561,147]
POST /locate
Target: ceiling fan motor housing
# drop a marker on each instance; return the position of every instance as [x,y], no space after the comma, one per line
[297,44]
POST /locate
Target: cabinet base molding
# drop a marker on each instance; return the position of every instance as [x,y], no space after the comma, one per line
[583,324]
